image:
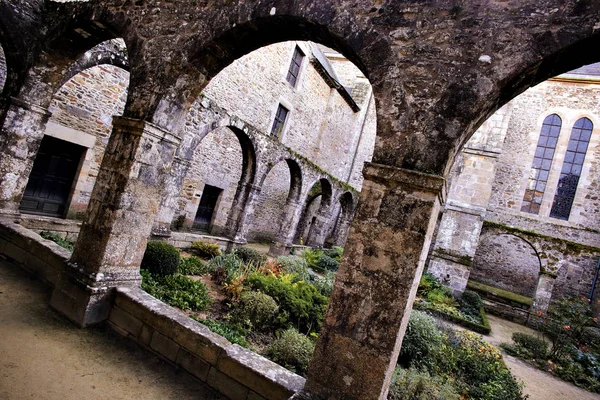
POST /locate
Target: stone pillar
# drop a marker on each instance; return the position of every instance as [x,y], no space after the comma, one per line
[121,212]
[318,230]
[289,221]
[341,229]
[543,294]
[241,214]
[20,141]
[458,233]
[375,286]
[171,192]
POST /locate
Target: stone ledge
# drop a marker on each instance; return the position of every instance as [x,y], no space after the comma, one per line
[234,371]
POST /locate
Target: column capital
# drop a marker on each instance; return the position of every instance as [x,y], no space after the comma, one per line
[386,175]
[144,128]
[31,107]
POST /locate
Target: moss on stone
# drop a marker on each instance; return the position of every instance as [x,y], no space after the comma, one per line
[505,294]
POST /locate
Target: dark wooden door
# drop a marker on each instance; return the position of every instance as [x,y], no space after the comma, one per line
[206,208]
[51,179]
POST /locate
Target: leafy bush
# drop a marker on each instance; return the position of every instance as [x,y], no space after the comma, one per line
[470,303]
[255,310]
[226,268]
[536,347]
[325,284]
[423,343]
[312,257]
[177,291]
[292,350]
[427,283]
[327,263]
[271,267]
[335,252]
[160,259]
[296,265]
[250,255]
[224,329]
[206,249]
[412,384]
[442,295]
[192,266]
[68,244]
[299,301]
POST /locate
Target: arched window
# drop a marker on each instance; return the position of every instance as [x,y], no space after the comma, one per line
[571,169]
[544,153]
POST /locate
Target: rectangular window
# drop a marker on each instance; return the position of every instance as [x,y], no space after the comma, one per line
[294,71]
[279,122]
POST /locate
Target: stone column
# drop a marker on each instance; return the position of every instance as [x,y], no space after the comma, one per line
[375,286]
[289,221]
[543,295]
[241,214]
[318,230]
[121,212]
[341,230]
[460,226]
[171,192]
[20,141]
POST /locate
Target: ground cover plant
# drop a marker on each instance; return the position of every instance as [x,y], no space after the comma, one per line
[437,363]
[65,243]
[205,249]
[436,298]
[568,343]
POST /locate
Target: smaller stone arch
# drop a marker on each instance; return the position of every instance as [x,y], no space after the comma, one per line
[345,212]
[507,261]
[314,219]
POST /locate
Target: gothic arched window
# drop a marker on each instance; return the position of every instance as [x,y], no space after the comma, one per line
[571,169]
[542,161]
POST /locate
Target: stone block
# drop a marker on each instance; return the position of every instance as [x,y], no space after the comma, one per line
[146,335]
[193,364]
[259,374]
[164,346]
[226,385]
[125,321]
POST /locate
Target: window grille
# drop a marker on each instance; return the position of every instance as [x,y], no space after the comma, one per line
[538,175]
[294,71]
[571,169]
[279,121]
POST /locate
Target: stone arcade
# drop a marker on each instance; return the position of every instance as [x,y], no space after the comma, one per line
[438,70]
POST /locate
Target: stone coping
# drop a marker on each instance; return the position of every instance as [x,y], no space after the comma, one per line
[238,373]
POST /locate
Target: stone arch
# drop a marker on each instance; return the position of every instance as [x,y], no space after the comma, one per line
[109,52]
[341,224]
[313,221]
[507,261]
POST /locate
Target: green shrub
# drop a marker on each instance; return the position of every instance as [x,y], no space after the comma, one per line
[292,350]
[229,267]
[300,303]
[250,255]
[192,266]
[68,244]
[325,284]
[206,249]
[412,384]
[423,343]
[312,257]
[327,263]
[226,330]
[536,347]
[427,283]
[335,252]
[470,303]
[177,291]
[255,310]
[296,265]
[160,259]
[442,295]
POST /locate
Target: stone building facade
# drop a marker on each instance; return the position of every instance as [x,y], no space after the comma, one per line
[490,235]
[324,129]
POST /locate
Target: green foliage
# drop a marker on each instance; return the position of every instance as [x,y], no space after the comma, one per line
[335,252]
[470,303]
[160,259]
[192,266]
[327,263]
[296,265]
[177,223]
[292,350]
[535,347]
[68,244]
[250,255]
[205,249]
[325,284]
[412,384]
[229,267]
[177,291]
[423,343]
[427,283]
[229,332]
[312,257]
[300,303]
[442,295]
[255,310]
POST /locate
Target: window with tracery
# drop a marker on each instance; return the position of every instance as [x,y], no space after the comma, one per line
[542,162]
[571,169]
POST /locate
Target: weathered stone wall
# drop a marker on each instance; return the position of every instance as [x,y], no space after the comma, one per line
[2,69]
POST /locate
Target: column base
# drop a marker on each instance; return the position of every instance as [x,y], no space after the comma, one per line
[450,273]
[161,231]
[279,249]
[8,215]
[234,244]
[85,299]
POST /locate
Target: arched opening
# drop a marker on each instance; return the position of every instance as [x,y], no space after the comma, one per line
[339,229]
[313,220]
[75,138]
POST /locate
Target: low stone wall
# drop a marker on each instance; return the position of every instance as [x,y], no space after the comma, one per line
[65,228]
[44,258]
[234,371]
[184,240]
